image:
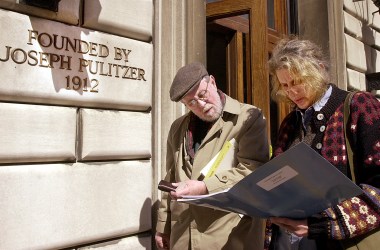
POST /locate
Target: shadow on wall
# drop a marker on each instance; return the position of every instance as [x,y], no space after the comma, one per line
[369,38]
[67,53]
[155,207]
[146,218]
[123,242]
[372,79]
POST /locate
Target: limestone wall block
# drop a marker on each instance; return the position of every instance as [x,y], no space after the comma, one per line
[68,10]
[373,15]
[376,60]
[356,80]
[37,133]
[107,134]
[56,206]
[359,9]
[353,26]
[358,55]
[129,18]
[134,242]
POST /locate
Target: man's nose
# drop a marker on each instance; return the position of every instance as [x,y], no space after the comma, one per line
[201,103]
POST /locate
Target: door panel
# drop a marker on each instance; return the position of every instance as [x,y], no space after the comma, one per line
[239,43]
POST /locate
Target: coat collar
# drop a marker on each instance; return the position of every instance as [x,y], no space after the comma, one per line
[231,106]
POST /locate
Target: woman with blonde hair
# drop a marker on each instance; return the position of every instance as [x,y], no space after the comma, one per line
[300,76]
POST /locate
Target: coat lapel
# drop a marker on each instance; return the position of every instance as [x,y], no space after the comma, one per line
[212,144]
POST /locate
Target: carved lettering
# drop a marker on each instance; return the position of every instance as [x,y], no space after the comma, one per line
[7,53]
[45,40]
[33,60]
[32,36]
[120,53]
[100,68]
[76,83]
[82,64]
[141,75]
[75,45]
[103,51]
[65,64]
[46,58]
[17,54]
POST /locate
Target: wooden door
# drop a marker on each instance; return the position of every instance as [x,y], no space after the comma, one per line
[240,37]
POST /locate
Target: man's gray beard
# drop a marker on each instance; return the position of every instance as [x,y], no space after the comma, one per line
[218,112]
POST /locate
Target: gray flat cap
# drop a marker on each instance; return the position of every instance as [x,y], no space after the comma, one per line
[186,78]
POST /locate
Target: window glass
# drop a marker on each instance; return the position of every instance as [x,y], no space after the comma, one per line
[271,20]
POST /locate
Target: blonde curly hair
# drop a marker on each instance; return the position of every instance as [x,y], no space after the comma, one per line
[306,64]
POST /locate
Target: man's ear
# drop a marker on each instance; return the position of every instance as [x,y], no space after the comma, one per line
[213,80]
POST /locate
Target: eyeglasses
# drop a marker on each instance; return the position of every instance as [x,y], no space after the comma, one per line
[202,96]
[294,88]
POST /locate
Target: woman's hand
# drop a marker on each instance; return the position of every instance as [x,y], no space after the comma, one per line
[297,227]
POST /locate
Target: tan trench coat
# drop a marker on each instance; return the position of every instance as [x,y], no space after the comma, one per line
[194,227]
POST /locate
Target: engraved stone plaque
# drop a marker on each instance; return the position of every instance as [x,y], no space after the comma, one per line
[44,61]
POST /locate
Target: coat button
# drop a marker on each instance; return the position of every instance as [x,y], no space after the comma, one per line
[224,178]
[320,117]
[318,146]
[322,128]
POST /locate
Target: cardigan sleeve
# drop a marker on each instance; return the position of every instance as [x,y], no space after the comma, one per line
[360,214]
[353,217]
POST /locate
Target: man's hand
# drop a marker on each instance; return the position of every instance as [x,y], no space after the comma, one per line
[297,227]
[162,241]
[189,187]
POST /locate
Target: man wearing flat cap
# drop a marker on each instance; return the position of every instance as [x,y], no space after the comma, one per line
[193,140]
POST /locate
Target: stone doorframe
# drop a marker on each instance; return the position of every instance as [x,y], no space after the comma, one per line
[179,38]
[337,43]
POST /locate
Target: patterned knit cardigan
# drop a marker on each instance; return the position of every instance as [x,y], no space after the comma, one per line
[360,214]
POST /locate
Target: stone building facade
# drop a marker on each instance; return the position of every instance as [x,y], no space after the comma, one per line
[360,35]
[85,108]
[76,120]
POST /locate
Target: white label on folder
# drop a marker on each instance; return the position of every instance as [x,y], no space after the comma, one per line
[277,178]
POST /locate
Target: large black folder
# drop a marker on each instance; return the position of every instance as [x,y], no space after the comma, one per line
[295,184]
